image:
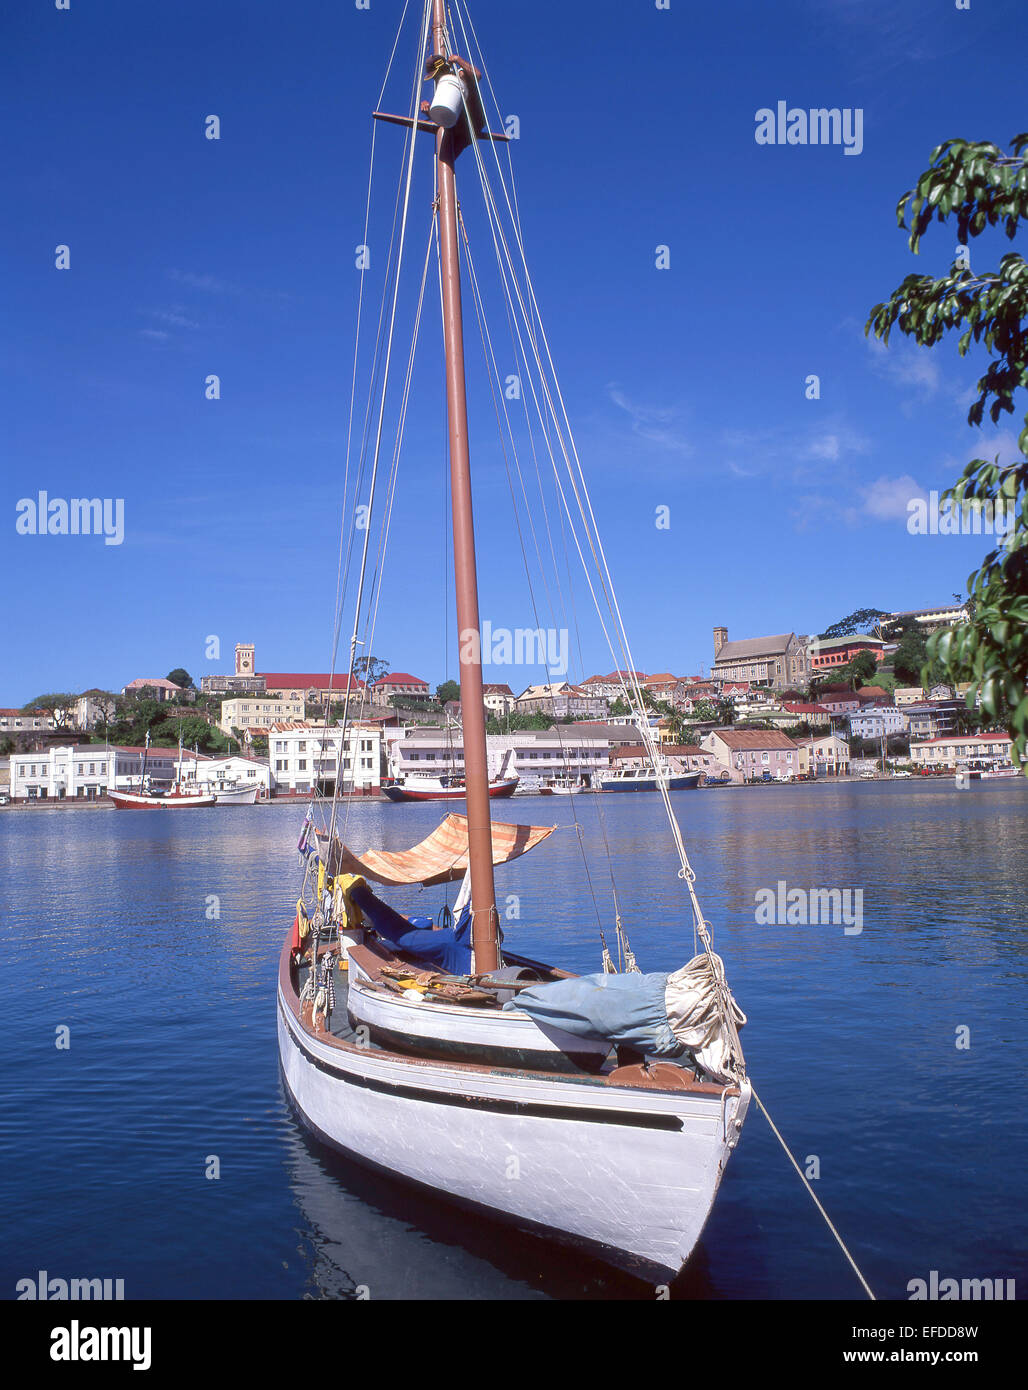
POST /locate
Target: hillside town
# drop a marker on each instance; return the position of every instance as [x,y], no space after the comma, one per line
[780,708]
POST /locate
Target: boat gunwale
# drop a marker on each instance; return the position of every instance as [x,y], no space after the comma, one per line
[289,997]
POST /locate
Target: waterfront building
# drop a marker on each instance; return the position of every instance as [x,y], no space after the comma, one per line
[88,771]
[955,750]
[209,773]
[304,756]
[680,757]
[753,755]
[828,755]
[257,712]
[826,652]
[535,755]
[779,662]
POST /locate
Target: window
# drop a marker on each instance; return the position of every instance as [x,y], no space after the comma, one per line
[301,764]
[765,757]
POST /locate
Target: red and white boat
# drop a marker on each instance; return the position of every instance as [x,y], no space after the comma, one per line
[443,788]
[176,798]
[180,796]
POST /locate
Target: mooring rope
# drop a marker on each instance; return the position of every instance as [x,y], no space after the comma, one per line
[803,1179]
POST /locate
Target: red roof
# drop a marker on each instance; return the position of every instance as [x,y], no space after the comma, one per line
[400,678]
[804,709]
[306,680]
[999,737]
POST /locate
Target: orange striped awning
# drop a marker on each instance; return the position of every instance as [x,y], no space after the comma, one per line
[442,858]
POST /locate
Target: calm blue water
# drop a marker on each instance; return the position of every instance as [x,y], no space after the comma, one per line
[850,1042]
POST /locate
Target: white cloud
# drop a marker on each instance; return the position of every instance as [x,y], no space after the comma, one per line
[905,364]
[653,423]
[888,499]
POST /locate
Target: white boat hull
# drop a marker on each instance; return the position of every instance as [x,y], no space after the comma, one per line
[237,796]
[629,1174]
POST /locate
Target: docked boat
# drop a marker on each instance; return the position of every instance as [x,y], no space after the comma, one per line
[179,796]
[599,1110]
[173,799]
[418,788]
[235,794]
[564,786]
[624,779]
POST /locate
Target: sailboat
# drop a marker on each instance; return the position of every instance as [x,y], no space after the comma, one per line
[447,786]
[178,797]
[597,1110]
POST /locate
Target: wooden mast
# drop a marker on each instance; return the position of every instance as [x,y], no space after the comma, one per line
[472,708]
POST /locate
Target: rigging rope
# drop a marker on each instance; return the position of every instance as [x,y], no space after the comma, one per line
[806,1184]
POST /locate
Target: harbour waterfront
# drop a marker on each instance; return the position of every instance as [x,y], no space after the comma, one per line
[155,941]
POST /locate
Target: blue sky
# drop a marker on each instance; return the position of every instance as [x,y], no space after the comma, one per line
[685,386]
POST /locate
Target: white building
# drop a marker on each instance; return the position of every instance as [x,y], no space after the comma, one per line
[955,750]
[217,774]
[498,699]
[304,756]
[534,755]
[877,722]
[87,771]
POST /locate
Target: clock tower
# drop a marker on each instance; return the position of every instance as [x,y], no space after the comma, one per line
[245,653]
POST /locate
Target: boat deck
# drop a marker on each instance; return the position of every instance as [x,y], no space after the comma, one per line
[339,1027]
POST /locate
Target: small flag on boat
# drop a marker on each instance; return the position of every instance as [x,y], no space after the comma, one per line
[301,844]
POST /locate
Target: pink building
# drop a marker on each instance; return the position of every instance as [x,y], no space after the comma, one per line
[754,755]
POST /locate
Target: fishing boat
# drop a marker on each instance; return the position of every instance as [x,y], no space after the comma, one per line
[179,796]
[599,1110]
[564,786]
[426,788]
